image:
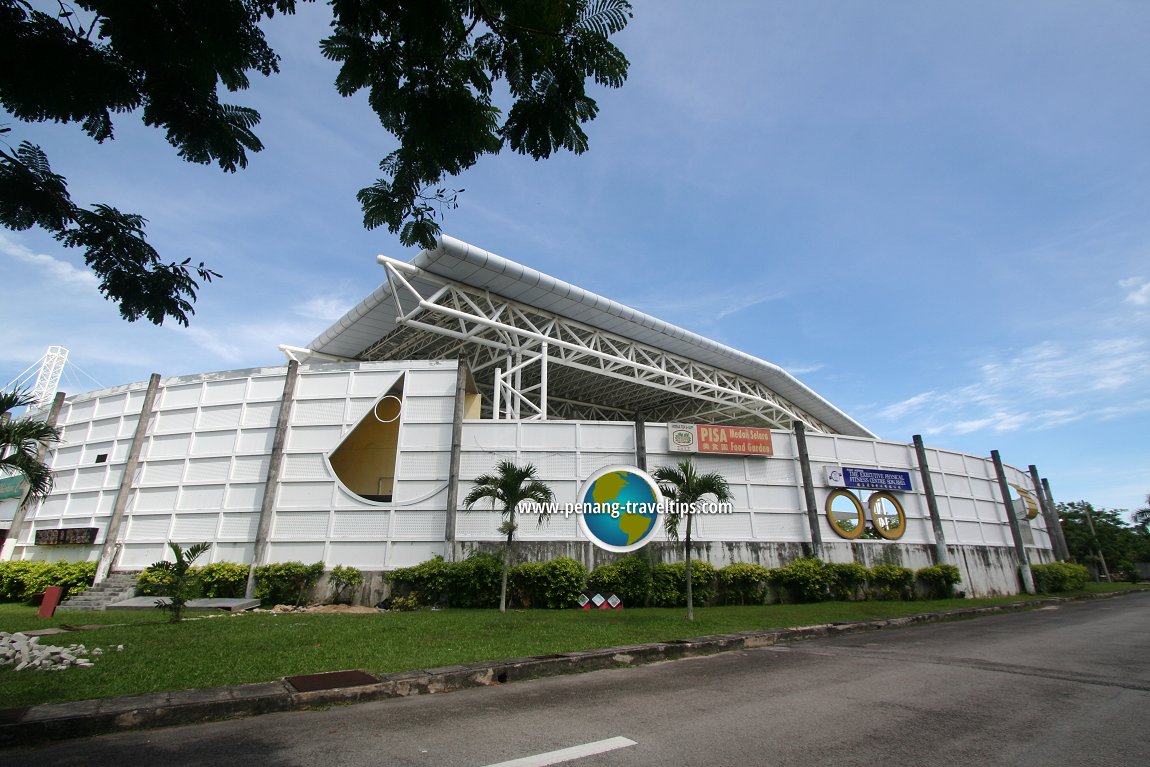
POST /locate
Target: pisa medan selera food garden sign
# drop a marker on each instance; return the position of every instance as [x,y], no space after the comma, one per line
[723,440]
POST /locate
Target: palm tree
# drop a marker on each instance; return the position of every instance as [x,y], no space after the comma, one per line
[509,486]
[685,487]
[1142,516]
[22,441]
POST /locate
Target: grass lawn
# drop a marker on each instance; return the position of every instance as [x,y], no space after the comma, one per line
[246,648]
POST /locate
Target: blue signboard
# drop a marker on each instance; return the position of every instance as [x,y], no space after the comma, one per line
[876,479]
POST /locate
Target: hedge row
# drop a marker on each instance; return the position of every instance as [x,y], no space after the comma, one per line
[474,582]
[1059,576]
[20,581]
[278,583]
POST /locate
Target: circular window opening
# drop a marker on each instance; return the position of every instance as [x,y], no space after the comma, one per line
[887,515]
[845,514]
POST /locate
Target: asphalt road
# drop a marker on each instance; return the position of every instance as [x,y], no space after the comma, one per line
[1057,686]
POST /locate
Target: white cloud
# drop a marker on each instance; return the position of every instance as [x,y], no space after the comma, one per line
[53,269]
[327,308]
[1139,291]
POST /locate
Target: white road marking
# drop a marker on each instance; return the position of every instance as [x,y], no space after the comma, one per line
[567,754]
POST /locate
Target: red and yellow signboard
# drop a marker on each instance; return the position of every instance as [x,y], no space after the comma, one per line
[723,440]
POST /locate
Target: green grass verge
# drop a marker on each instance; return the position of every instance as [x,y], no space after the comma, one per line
[227,650]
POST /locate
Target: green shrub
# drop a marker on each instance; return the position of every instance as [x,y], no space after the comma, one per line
[1059,576]
[286,582]
[20,581]
[430,580]
[743,583]
[806,579]
[628,577]
[1126,571]
[153,582]
[566,579]
[849,580]
[892,582]
[343,580]
[407,603]
[606,578]
[938,581]
[223,580]
[527,583]
[669,584]
[474,582]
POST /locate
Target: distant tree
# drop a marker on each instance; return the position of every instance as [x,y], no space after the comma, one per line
[1118,542]
[21,442]
[1142,516]
[508,487]
[429,67]
[683,485]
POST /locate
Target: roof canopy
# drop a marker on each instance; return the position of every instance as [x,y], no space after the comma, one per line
[543,348]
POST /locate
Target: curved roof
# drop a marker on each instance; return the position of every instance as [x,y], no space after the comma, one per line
[458,261]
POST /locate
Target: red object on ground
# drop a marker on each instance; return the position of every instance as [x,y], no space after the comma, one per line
[48,603]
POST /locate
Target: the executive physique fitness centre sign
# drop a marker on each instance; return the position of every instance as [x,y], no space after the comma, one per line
[723,440]
[868,479]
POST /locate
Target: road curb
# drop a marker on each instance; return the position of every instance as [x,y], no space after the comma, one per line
[58,721]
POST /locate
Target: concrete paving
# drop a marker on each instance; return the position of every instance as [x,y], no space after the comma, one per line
[149,603]
[92,717]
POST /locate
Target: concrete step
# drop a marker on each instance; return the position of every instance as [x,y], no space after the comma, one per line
[115,588]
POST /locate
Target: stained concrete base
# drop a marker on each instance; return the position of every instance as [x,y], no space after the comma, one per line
[149,603]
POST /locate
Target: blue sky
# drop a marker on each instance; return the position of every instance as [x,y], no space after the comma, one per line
[935,215]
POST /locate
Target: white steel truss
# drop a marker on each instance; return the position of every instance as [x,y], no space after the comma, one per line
[537,365]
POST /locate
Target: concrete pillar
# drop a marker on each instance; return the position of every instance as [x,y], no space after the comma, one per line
[267,508]
[14,529]
[809,490]
[453,466]
[1058,520]
[1053,526]
[1015,528]
[940,555]
[111,535]
[640,441]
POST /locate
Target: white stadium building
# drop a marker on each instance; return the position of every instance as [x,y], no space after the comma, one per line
[358,450]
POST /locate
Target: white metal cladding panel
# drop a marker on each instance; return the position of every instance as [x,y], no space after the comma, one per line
[952,484]
[553,465]
[772,471]
[565,491]
[162,472]
[104,430]
[301,525]
[93,450]
[67,457]
[607,436]
[201,497]
[957,508]
[721,527]
[590,463]
[169,446]
[942,460]
[121,450]
[345,499]
[782,527]
[80,504]
[81,412]
[244,497]
[169,421]
[990,511]
[357,409]
[408,554]
[208,469]
[731,467]
[261,414]
[986,489]
[318,412]
[219,417]
[372,384]
[52,507]
[148,527]
[772,497]
[114,475]
[549,436]
[250,468]
[428,409]
[362,525]
[214,443]
[431,382]
[472,464]
[233,551]
[241,527]
[256,441]
[263,388]
[295,552]
[490,435]
[155,499]
[783,445]
[128,426]
[111,405]
[428,492]
[195,527]
[419,525]
[180,396]
[854,450]
[419,465]
[63,481]
[555,527]
[314,385]
[364,555]
[308,495]
[820,447]
[969,533]
[478,523]
[317,438]
[90,477]
[895,455]
[740,496]
[302,466]
[231,390]
[424,435]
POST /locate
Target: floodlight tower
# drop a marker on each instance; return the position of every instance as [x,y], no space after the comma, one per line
[47,378]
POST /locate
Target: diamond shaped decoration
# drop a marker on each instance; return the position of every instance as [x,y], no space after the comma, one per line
[614,601]
[582,600]
[598,599]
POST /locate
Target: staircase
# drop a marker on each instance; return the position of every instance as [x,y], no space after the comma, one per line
[115,588]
